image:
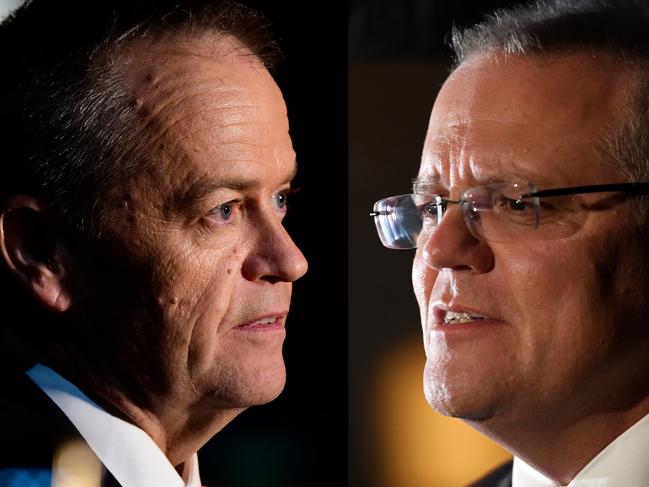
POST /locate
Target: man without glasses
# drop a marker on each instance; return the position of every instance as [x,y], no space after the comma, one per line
[529,219]
[146,169]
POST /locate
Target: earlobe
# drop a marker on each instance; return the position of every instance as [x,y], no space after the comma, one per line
[32,252]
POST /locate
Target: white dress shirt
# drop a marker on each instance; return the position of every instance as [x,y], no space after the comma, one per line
[130,454]
[623,463]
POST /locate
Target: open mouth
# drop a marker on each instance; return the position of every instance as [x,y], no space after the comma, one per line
[457,317]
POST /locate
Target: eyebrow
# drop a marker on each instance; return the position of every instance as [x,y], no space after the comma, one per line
[430,184]
[425,185]
[184,199]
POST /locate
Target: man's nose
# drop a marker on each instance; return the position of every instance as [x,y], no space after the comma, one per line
[452,246]
[274,256]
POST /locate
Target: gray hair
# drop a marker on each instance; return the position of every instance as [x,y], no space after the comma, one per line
[617,28]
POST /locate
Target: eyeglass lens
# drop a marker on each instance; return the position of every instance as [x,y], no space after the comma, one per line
[498,212]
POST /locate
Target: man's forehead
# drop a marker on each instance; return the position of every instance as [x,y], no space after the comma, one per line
[525,89]
[153,72]
[224,109]
[214,121]
[493,114]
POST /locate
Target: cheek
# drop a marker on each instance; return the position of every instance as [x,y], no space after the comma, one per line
[560,301]
[423,279]
[419,279]
[197,298]
[540,280]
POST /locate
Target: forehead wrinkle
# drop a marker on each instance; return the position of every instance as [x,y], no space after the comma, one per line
[158,92]
[164,119]
[474,154]
[227,132]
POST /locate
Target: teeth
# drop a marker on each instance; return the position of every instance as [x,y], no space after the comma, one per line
[266,321]
[462,317]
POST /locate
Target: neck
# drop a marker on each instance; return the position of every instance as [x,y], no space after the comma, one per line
[560,450]
[180,432]
[178,426]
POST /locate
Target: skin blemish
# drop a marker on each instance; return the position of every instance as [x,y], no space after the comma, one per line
[152,79]
[135,103]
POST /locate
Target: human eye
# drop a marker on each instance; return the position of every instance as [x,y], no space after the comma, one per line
[433,207]
[430,209]
[515,209]
[226,212]
[281,198]
[517,205]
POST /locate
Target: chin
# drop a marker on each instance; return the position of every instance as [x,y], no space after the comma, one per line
[267,385]
[457,398]
[252,382]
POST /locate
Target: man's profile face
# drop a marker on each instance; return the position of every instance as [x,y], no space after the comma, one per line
[195,282]
[565,325]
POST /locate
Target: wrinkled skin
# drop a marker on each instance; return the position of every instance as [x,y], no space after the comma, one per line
[567,361]
[192,249]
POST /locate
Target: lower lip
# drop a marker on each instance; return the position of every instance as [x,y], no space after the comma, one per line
[468,327]
[277,325]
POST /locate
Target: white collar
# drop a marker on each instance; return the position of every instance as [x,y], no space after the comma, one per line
[623,463]
[130,454]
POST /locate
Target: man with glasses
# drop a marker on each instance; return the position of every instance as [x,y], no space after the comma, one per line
[529,220]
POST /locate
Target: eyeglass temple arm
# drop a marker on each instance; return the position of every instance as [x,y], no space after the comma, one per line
[640,188]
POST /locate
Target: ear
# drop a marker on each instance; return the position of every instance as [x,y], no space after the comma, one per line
[31,249]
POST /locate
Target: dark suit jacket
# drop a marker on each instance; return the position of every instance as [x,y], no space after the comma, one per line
[500,477]
[32,428]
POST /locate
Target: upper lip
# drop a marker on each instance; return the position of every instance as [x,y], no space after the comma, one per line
[440,309]
[278,315]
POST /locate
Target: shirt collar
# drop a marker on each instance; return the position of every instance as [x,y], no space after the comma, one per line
[131,455]
[622,463]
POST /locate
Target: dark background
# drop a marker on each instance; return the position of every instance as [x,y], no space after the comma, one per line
[398,60]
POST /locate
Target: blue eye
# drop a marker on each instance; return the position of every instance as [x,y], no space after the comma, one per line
[224,212]
[281,198]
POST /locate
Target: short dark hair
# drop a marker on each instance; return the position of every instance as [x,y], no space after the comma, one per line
[617,28]
[68,128]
